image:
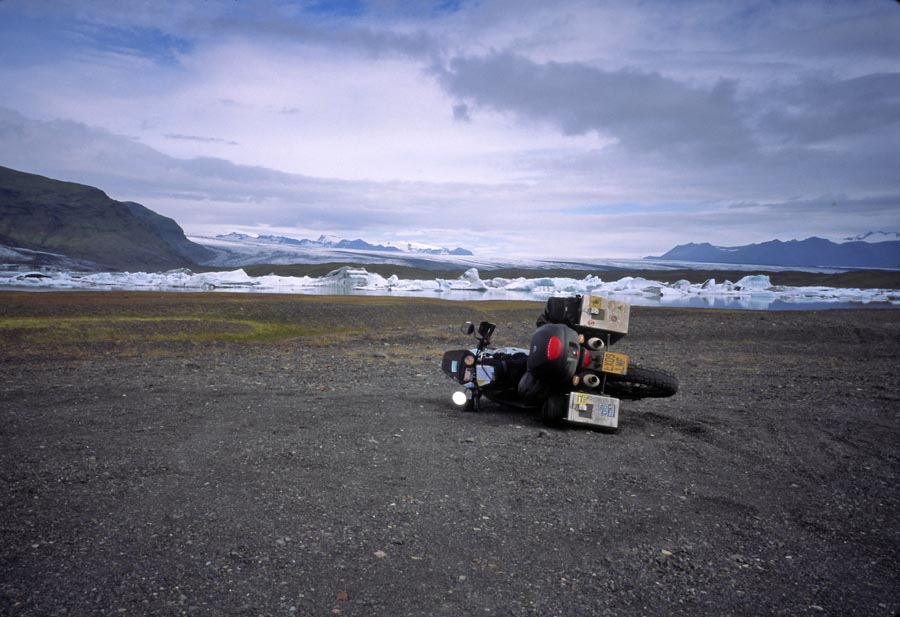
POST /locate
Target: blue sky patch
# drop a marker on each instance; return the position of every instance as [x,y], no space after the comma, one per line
[151,43]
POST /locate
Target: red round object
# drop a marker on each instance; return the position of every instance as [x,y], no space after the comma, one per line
[554,348]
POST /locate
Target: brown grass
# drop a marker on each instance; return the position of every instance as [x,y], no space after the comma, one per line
[81,324]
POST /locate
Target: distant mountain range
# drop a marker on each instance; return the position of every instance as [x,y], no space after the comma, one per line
[333,242]
[50,223]
[812,252]
[62,223]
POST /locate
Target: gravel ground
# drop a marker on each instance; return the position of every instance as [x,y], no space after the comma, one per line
[320,475]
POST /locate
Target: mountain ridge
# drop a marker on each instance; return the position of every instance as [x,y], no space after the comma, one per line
[327,241]
[811,252]
[82,223]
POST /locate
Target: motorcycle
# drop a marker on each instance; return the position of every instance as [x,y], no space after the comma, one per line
[568,371]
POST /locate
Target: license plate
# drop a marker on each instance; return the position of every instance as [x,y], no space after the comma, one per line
[615,363]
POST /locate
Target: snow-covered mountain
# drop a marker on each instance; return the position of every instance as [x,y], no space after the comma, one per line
[425,249]
[239,249]
[334,242]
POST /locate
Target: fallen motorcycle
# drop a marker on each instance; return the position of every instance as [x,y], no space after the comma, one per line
[568,372]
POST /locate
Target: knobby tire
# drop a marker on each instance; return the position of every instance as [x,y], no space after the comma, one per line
[641,382]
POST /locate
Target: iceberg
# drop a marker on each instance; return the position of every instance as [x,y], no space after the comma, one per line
[754,282]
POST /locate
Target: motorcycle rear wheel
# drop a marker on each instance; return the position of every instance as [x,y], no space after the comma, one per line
[641,382]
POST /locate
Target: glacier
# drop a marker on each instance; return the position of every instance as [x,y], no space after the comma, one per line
[750,292]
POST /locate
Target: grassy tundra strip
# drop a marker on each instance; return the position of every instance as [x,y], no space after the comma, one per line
[132,329]
[51,323]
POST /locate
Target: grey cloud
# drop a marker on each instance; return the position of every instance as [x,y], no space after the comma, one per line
[825,216]
[208,140]
[644,111]
[816,111]
[857,29]
[736,223]
[827,205]
[461,113]
[210,189]
[781,51]
[765,143]
[765,174]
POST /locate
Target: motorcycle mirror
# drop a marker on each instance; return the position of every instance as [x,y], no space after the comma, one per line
[486,329]
[467,328]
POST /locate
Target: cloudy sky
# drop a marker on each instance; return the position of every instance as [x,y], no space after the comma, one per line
[520,127]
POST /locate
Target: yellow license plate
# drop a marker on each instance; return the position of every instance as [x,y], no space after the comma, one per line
[615,363]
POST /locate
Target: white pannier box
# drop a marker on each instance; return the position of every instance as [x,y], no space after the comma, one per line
[604,314]
[593,409]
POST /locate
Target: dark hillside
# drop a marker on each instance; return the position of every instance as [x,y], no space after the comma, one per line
[83,223]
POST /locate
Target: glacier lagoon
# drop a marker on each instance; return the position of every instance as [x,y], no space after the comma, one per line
[752,292]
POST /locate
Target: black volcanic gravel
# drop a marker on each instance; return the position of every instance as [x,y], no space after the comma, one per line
[302,478]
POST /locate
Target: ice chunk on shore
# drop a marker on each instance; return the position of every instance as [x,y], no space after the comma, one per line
[348,276]
[754,282]
[472,277]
